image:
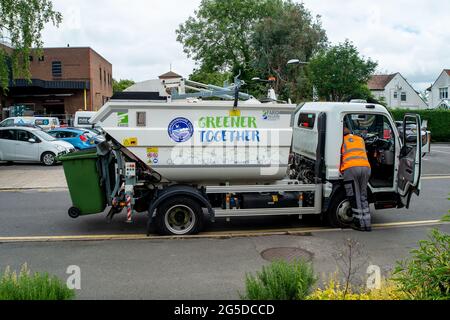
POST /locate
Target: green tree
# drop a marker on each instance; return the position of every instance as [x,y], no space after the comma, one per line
[339,73]
[21,24]
[290,32]
[121,85]
[211,77]
[218,37]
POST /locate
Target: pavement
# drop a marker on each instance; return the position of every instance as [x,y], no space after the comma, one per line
[31,176]
[117,261]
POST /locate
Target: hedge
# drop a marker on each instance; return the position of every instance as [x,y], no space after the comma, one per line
[438,122]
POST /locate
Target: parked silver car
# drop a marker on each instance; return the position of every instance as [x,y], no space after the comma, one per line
[31,145]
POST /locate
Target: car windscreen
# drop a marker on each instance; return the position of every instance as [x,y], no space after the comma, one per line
[44,136]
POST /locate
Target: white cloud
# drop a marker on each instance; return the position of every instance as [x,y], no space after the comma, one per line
[404,36]
[138,36]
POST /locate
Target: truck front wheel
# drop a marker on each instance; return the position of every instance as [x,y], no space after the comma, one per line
[179,216]
[339,214]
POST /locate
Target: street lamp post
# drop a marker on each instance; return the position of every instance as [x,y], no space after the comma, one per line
[300,63]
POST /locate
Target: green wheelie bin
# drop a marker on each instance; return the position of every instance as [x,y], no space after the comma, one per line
[83,179]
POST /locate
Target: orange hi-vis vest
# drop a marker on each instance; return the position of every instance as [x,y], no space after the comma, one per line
[353,153]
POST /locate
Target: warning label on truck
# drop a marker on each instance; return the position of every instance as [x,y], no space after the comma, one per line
[130,142]
[153,155]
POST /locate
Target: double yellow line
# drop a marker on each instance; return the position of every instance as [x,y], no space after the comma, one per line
[212,235]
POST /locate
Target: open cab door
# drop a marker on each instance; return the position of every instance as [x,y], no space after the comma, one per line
[410,165]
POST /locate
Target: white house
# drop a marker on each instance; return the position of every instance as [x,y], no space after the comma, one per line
[439,97]
[395,91]
[163,84]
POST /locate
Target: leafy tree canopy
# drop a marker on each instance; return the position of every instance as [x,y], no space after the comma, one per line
[256,37]
[121,85]
[21,25]
[339,73]
[218,37]
[290,32]
[211,77]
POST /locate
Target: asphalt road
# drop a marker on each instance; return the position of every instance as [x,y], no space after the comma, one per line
[200,268]
[44,213]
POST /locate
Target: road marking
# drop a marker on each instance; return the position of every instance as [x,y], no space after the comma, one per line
[435,177]
[213,235]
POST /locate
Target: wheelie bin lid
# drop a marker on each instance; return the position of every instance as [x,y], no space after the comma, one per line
[79,155]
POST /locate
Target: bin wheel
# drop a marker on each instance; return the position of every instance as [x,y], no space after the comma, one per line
[179,216]
[74,212]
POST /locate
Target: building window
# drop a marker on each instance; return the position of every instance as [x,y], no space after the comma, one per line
[141,119]
[30,58]
[395,95]
[403,97]
[104,76]
[100,74]
[41,58]
[56,69]
[443,93]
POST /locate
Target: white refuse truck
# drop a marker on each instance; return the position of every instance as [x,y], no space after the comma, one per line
[186,161]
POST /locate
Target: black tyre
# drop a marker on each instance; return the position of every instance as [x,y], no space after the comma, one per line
[74,213]
[339,214]
[179,216]
[48,159]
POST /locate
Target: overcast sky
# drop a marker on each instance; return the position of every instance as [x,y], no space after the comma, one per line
[138,36]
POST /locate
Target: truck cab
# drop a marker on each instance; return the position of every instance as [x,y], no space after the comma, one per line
[396,160]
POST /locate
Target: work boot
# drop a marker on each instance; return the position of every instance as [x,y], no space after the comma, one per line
[356,225]
[367,223]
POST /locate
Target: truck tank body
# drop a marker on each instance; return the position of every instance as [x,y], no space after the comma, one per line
[204,141]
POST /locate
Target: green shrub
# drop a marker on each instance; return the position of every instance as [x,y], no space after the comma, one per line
[281,281]
[427,275]
[24,286]
[438,122]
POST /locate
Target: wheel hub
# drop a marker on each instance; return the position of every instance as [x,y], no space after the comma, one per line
[345,213]
[180,219]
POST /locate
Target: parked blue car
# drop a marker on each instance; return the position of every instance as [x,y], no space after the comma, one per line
[79,138]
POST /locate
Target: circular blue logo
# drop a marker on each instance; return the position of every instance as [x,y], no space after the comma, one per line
[181,130]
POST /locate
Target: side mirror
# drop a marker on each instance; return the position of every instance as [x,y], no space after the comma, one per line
[32,140]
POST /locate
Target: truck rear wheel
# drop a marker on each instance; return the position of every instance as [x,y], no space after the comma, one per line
[179,216]
[339,214]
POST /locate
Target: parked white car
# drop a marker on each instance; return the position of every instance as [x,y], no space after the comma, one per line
[46,123]
[31,145]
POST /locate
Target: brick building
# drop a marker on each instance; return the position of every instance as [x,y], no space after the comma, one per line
[63,81]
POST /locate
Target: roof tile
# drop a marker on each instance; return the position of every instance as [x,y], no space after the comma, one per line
[379,82]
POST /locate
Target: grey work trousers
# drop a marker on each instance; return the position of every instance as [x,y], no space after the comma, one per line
[356,180]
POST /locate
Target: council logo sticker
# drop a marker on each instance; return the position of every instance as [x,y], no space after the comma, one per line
[271,115]
[181,130]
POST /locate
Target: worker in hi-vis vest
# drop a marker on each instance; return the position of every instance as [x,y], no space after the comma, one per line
[356,170]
